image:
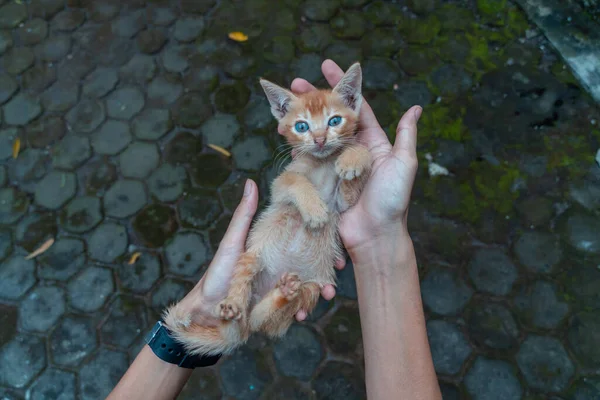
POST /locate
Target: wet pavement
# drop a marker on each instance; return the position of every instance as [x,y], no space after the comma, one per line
[115,103]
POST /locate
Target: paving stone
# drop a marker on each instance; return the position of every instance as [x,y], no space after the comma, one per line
[124,198]
[6,41]
[251,154]
[308,67]
[413,92]
[71,152]
[62,260]
[129,25]
[197,6]
[167,182]
[444,292]
[339,381]
[186,254]
[152,124]
[258,117]
[5,243]
[163,90]
[192,110]
[380,74]
[140,68]
[124,103]
[39,77]
[99,176]
[168,292]
[89,291]
[382,42]
[279,49]
[175,59]
[34,229]
[187,29]
[161,16]
[126,320]
[100,82]
[343,331]
[29,167]
[141,276]
[205,79]
[183,148]
[12,14]
[45,131]
[139,159]
[492,380]
[586,388]
[449,348]
[108,242]
[72,341]
[199,208]
[243,376]
[21,360]
[13,205]
[112,138]
[7,138]
[150,41]
[53,384]
[82,214]
[314,37]
[202,380]
[22,109]
[583,233]
[101,374]
[8,87]
[86,116]
[155,224]
[298,353]
[76,66]
[68,20]
[60,97]
[232,98]
[545,364]
[41,308]
[55,189]
[538,251]
[211,170]
[539,305]
[583,336]
[320,11]
[17,275]
[348,25]
[217,231]
[54,48]
[492,271]
[221,130]
[493,325]
[451,80]
[346,284]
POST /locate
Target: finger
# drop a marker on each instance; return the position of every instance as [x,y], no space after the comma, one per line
[406,132]
[340,263]
[301,315]
[300,85]
[235,237]
[328,292]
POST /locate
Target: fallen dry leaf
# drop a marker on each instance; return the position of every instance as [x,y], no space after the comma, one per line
[238,36]
[42,249]
[220,150]
[16,148]
[134,257]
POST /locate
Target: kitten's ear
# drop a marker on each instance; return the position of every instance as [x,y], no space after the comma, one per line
[349,87]
[278,97]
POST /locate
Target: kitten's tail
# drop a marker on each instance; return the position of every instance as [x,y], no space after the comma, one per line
[205,340]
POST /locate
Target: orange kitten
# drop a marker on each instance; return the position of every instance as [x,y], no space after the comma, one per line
[292,247]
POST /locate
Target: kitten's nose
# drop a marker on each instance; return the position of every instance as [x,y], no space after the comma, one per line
[320,141]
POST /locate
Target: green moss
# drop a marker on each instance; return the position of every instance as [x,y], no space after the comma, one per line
[439,121]
[563,73]
[491,7]
[570,153]
[420,30]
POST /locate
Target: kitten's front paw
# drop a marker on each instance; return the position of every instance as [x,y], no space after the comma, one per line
[315,214]
[350,165]
[229,310]
[289,285]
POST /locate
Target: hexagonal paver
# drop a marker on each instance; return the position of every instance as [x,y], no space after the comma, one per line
[86,116]
[53,384]
[380,74]
[60,97]
[141,276]
[35,229]
[100,82]
[99,176]
[5,243]
[540,306]
[583,337]
[45,131]
[124,103]
[191,110]
[89,291]
[111,138]
[251,154]
[62,260]
[538,251]
[492,271]
[188,28]
[54,48]
[545,363]
[124,198]
[126,321]
[71,152]
[30,166]
[211,170]
[232,98]
[186,254]
[55,189]
[202,380]
[183,148]
[583,233]
[3,176]
[12,14]
[152,124]
[68,20]
[151,40]
[128,25]
[21,360]
[18,60]
[141,68]
[107,242]
[72,341]
[242,376]
[6,41]
[82,214]
[167,182]
[175,59]
[217,232]
[444,292]
[199,208]
[202,79]
[449,348]
[13,205]
[586,388]
[168,292]
[155,224]
[584,284]
[339,381]
[41,308]
[139,159]
[343,331]
[298,353]
[164,91]
[221,129]
[493,325]
[22,109]
[39,77]
[17,275]
[492,380]
[8,87]
[8,319]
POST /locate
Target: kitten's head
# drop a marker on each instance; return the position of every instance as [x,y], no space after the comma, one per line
[319,122]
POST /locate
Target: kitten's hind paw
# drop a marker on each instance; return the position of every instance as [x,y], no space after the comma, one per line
[229,310]
[289,285]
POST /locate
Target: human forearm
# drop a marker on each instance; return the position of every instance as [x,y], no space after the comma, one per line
[398,361]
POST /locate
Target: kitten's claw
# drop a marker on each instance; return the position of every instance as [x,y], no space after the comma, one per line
[316,216]
[348,171]
[289,285]
[229,310]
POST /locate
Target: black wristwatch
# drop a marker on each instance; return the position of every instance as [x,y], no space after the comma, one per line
[168,349]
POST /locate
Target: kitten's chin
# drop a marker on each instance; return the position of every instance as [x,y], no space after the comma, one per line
[324,152]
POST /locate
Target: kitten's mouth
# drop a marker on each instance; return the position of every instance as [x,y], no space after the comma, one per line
[324,151]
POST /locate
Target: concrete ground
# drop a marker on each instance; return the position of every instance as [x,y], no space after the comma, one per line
[114,103]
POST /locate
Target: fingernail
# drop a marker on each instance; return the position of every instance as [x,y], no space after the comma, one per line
[247,188]
[418,112]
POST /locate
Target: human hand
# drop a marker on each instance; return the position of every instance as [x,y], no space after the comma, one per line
[383,205]
[213,287]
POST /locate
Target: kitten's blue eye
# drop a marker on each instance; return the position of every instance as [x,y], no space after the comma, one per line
[301,127]
[335,121]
